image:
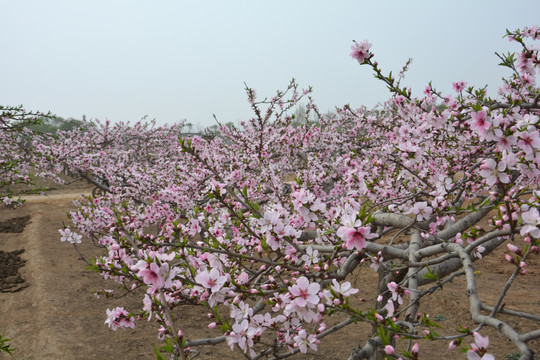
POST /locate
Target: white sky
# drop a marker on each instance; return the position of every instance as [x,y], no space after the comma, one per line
[173,60]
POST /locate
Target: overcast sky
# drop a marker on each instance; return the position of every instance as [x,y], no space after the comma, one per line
[173,60]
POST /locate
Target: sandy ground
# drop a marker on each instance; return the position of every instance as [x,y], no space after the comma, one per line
[55,314]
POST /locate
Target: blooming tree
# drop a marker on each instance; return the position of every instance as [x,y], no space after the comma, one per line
[16,150]
[267,224]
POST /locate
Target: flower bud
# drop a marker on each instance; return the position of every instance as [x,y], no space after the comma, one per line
[415,349]
[513,249]
[509,258]
[388,349]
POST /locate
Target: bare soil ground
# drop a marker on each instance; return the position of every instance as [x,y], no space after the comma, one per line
[49,310]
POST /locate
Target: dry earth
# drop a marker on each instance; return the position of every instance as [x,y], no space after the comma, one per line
[49,309]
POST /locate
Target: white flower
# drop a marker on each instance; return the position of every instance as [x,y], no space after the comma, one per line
[310,257]
[69,236]
[421,210]
[344,289]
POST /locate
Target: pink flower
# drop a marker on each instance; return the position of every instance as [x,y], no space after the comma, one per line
[415,349]
[147,306]
[242,335]
[69,236]
[242,311]
[242,279]
[344,289]
[505,142]
[397,291]
[269,219]
[305,293]
[302,197]
[376,261]
[355,238]
[477,252]
[212,279]
[153,274]
[459,86]
[360,51]
[493,173]
[318,205]
[479,123]
[353,234]
[481,342]
[479,348]
[310,257]
[471,355]
[513,248]
[422,210]
[531,220]
[529,141]
[388,349]
[303,341]
[390,308]
[119,318]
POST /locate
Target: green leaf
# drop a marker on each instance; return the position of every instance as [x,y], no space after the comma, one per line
[385,335]
[432,275]
[159,355]
[464,330]
[440,317]
[476,107]
[263,243]
[407,354]
[5,346]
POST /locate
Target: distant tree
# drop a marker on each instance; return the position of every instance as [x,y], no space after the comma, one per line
[51,125]
[300,116]
[15,146]
[189,127]
[307,115]
[214,129]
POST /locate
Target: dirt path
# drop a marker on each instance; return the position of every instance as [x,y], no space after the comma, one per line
[57,316]
[54,198]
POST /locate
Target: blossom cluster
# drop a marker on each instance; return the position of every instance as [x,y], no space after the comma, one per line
[15,146]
